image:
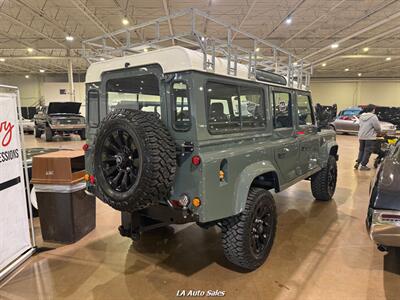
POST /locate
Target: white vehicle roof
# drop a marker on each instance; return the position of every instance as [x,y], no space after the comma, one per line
[171,59]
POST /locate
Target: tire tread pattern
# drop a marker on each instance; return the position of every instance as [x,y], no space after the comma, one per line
[319,182]
[236,231]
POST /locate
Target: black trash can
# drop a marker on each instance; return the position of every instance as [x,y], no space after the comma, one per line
[66,212]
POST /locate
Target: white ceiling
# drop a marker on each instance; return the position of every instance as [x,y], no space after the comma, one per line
[316,24]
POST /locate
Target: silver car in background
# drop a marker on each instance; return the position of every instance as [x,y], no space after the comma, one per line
[347,121]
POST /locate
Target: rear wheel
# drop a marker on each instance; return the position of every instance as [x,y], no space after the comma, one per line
[323,183]
[48,134]
[82,134]
[247,238]
[38,133]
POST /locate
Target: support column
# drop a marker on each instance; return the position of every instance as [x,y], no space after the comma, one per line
[71,81]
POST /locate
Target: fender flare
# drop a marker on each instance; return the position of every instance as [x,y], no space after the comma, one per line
[245,179]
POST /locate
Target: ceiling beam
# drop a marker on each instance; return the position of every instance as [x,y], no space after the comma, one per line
[95,20]
[166,10]
[14,66]
[371,39]
[365,29]
[31,29]
[289,14]
[313,22]
[362,18]
[41,15]
[245,17]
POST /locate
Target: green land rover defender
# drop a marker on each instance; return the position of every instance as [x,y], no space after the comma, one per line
[170,143]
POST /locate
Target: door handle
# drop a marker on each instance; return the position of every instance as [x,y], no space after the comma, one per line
[283,152]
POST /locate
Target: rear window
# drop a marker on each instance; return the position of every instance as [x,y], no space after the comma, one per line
[93,108]
[138,92]
[181,107]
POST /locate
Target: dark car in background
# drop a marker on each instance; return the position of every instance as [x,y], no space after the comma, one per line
[383,218]
[60,118]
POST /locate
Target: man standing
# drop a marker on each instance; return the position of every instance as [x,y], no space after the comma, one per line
[369,128]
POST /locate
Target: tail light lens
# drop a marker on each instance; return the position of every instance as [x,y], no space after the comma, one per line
[92,180]
[85,147]
[196,160]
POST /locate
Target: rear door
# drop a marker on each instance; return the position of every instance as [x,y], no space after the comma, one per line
[307,132]
[286,148]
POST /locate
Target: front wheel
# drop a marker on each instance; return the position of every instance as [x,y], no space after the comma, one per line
[323,183]
[247,238]
[48,134]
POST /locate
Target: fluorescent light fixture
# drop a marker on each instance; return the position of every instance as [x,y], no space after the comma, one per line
[125,21]
[289,20]
[2,59]
[388,58]
[69,38]
[257,49]
[41,71]
[295,64]
[335,46]
[359,74]
[145,50]
[366,49]
[30,50]
[324,64]
[102,59]
[347,69]
[26,76]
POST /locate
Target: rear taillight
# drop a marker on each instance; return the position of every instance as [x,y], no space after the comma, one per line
[85,147]
[92,180]
[196,160]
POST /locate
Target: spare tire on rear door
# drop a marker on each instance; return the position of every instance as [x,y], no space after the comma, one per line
[134,160]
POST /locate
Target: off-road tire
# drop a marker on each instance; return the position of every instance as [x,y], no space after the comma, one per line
[48,134]
[82,134]
[237,231]
[157,165]
[38,133]
[322,186]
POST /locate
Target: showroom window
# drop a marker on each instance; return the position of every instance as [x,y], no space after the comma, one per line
[232,107]
[93,108]
[282,108]
[180,106]
[305,112]
[137,92]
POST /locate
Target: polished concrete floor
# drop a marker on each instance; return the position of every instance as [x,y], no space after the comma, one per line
[321,251]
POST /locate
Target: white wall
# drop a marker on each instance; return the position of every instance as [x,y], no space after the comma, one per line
[347,93]
[35,88]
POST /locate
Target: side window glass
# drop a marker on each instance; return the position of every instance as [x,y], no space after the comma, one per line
[252,107]
[305,112]
[181,113]
[223,107]
[282,107]
[93,108]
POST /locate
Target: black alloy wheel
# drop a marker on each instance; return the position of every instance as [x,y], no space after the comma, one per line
[262,229]
[121,160]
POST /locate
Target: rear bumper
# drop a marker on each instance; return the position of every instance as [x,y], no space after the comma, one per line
[384,227]
[68,127]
